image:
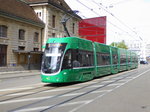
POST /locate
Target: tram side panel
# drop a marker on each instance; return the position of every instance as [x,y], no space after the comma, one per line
[103,65]
[122,59]
[114,60]
[86,60]
[73,59]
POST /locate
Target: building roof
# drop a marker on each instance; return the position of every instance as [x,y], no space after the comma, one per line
[60,4]
[18,10]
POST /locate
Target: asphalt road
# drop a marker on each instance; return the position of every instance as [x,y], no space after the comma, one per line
[123,92]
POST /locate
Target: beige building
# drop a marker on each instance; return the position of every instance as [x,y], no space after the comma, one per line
[23,30]
[20,35]
[51,13]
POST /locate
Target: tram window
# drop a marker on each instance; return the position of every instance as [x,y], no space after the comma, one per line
[67,60]
[115,59]
[86,58]
[129,59]
[75,58]
[123,59]
[103,59]
[78,58]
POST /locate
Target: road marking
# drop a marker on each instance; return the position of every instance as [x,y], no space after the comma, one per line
[41,98]
[74,103]
[124,80]
[24,100]
[95,86]
[72,94]
[108,81]
[117,78]
[22,87]
[17,94]
[116,84]
[75,109]
[55,90]
[45,107]
[13,89]
[37,98]
[86,83]
[32,109]
[101,91]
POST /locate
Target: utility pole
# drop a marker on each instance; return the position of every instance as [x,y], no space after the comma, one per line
[64,21]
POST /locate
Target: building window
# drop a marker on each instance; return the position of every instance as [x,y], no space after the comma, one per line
[60,3]
[36,49]
[39,14]
[3,31]
[73,28]
[3,55]
[36,37]
[53,34]
[22,48]
[53,21]
[21,34]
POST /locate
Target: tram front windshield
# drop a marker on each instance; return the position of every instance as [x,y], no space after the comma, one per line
[52,57]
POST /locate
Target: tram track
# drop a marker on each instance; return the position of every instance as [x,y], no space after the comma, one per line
[42,89]
[28,90]
[83,94]
[31,92]
[72,91]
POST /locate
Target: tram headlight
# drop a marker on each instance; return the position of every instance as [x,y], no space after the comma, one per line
[65,73]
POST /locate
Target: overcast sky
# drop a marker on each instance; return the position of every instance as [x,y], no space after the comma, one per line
[127,19]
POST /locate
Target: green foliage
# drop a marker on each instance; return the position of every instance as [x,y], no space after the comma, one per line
[119,44]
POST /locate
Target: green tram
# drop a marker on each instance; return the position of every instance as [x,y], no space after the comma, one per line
[73,59]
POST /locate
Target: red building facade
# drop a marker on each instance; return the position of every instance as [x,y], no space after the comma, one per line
[93,29]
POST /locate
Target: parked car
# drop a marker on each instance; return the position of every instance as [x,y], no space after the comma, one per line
[143,62]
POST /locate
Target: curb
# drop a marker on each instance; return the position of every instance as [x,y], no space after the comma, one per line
[13,72]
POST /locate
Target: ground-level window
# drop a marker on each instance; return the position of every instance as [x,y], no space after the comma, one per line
[22,48]
[35,49]
[53,35]
[3,55]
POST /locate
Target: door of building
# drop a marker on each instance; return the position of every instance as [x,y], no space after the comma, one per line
[3,55]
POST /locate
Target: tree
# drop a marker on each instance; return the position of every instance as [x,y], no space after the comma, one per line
[119,44]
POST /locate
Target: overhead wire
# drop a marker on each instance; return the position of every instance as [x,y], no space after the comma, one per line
[100,15]
[101,6]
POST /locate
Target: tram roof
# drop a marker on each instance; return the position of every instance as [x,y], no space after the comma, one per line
[67,40]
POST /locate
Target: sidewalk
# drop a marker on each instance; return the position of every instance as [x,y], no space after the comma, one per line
[14,74]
